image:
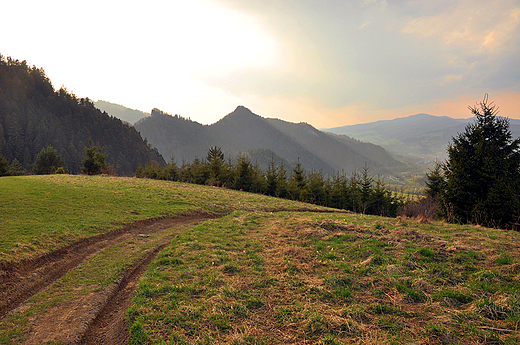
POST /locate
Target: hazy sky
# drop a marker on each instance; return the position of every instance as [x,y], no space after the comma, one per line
[328,63]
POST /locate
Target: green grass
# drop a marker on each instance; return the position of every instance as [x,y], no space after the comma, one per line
[68,208]
[260,277]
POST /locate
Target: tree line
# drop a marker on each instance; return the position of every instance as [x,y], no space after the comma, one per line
[49,161]
[360,192]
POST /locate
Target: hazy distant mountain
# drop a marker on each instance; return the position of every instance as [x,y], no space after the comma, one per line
[420,135]
[243,131]
[123,113]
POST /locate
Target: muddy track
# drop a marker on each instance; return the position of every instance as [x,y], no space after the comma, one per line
[21,280]
[97,318]
[108,326]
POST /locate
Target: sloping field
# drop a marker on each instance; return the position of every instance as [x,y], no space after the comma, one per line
[69,245]
[150,262]
[308,278]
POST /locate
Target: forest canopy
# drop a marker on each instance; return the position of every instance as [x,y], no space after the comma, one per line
[34,116]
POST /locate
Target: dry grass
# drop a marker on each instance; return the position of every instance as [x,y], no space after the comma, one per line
[301,278]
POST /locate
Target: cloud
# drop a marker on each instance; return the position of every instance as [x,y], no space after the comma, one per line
[472,25]
[299,60]
[388,54]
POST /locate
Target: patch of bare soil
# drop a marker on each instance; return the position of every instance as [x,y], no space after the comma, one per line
[109,326]
[19,281]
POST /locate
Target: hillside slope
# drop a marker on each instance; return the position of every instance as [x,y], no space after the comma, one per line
[123,113]
[243,131]
[33,116]
[241,268]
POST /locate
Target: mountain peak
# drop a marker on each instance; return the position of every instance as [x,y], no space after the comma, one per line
[240,114]
[241,110]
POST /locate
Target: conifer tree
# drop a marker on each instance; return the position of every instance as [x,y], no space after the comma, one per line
[172,172]
[366,189]
[338,191]
[316,188]
[435,182]
[16,168]
[47,161]
[271,179]
[298,183]
[281,187]
[215,159]
[200,172]
[95,159]
[244,175]
[483,171]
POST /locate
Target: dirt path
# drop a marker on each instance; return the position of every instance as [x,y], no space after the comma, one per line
[93,319]
[109,326]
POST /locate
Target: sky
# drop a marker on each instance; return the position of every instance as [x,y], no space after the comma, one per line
[326,63]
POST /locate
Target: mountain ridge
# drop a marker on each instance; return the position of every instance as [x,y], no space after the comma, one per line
[121,112]
[242,130]
[420,135]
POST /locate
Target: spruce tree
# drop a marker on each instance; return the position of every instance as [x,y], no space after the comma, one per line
[483,171]
[282,186]
[47,161]
[316,188]
[95,159]
[244,175]
[215,159]
[271,179]
[297,187]
[435,182]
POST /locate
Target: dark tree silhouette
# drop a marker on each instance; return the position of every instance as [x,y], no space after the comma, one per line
[483,171]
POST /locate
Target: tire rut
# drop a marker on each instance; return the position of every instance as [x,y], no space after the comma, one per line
[21,280]
[109,326]
[99,318]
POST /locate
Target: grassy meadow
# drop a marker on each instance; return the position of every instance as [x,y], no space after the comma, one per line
[266,272]
[42,213]
[307,278]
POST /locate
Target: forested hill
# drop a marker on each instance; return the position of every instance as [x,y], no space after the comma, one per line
[243,131]
[33,115]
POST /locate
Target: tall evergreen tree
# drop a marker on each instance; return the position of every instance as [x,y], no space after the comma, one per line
[95,159]
[200,172]
[298,183]
[435,182]
[47,161]
[16,168]
[316,188]
[271,179]
[215,159]
[366,182]
[338,191]
[244,175]
[282,187]
[483,171]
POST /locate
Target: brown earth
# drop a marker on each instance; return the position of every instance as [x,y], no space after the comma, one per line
[97,318]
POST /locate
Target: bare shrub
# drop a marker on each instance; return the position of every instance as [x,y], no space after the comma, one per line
[425,208]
